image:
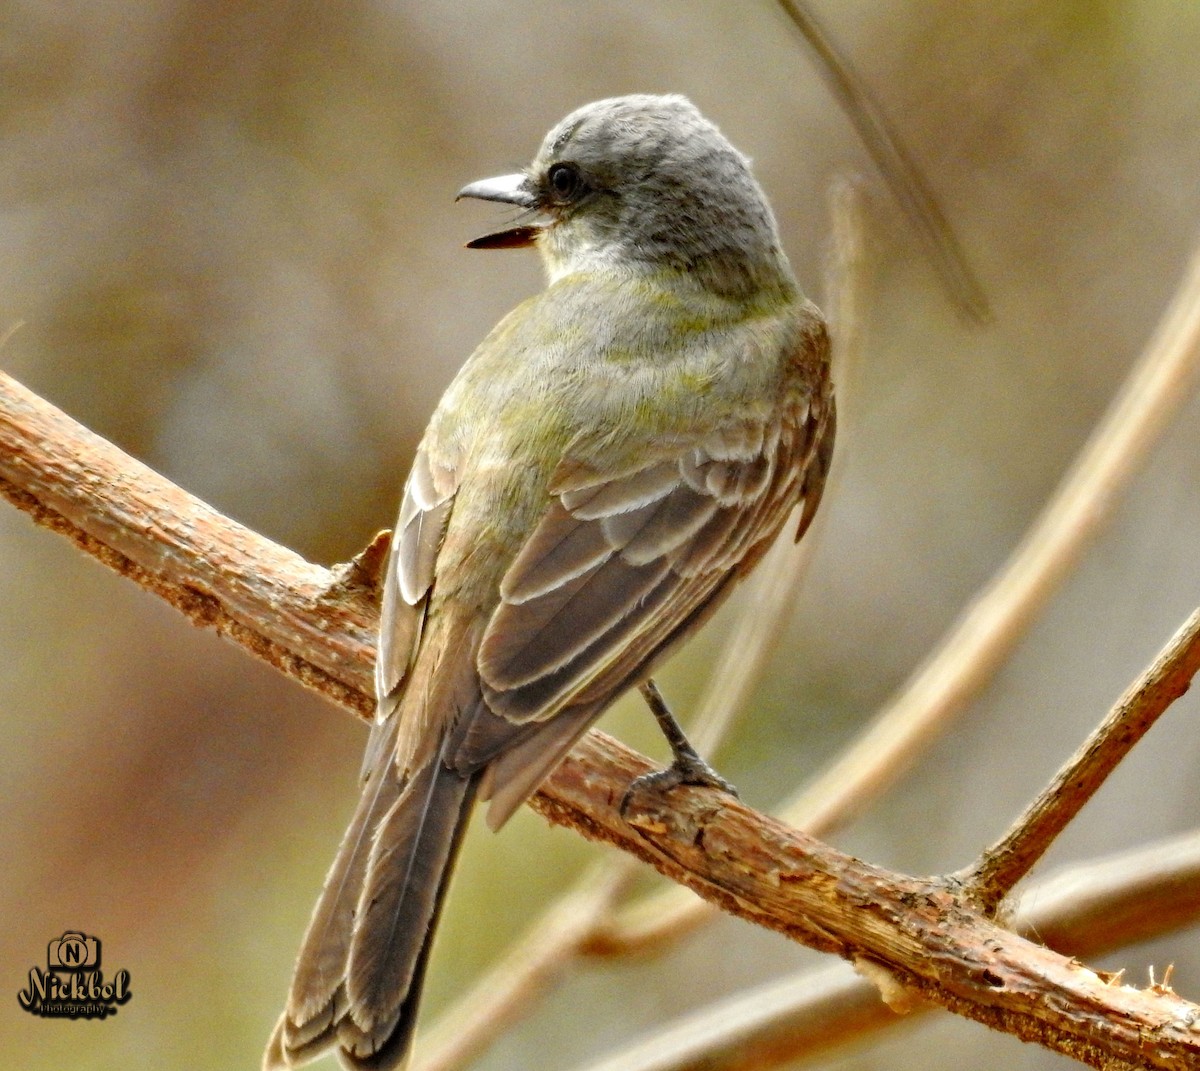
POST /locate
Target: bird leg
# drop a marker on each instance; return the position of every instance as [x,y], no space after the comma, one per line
[687,767]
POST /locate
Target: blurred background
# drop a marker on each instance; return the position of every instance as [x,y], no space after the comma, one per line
[229,232]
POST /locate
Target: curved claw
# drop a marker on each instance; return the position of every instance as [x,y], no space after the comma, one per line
[685,770]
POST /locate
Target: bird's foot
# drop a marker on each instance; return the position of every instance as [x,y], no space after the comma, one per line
[687,769]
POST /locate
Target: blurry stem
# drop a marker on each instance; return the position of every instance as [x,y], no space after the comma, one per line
[847,284]
[1163,379]
[770,593]
[509,991]
[993,876]
[768,598]
[1088,910]
[899,171]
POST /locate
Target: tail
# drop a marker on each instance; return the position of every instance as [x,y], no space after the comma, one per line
[360,969]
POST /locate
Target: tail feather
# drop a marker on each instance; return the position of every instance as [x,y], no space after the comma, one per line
[362,963]
[414,851]
[513,777]
[393,1053]
[317,997]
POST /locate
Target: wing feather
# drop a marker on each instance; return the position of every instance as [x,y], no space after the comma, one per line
[559,550]
[531,640]
[412,564]
[646,534]
[609,497]
[617,567]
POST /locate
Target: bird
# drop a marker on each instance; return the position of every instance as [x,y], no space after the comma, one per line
[613,458]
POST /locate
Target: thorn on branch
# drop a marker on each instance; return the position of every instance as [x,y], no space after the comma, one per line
[363,574]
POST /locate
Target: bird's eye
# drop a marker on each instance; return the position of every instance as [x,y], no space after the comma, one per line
[565,181]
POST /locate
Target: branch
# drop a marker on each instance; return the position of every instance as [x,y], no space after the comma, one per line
[914,932]
[508,990]
[317,627]
[313,625]
[1088,910]
[900,173]
[1000,867]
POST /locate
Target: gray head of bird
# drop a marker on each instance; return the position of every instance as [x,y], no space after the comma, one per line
[642,184]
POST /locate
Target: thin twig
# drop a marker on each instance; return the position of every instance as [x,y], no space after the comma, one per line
[1088,910]
[1001,866]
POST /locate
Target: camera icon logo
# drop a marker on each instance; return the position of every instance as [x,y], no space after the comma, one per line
[73,986]
[73,951]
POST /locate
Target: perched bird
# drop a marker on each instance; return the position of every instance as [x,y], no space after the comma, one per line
[615,456]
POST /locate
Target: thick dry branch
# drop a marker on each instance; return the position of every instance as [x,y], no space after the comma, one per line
[915,931]
[1087,910]
[310,623]
[1010,859]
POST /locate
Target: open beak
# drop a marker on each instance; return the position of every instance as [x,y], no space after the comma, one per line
[507,189]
